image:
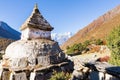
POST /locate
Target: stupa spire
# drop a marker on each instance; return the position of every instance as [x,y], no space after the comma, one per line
[36,6]
[36,20]
[35,9]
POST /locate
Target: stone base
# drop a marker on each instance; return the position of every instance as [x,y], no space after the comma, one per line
[42,73]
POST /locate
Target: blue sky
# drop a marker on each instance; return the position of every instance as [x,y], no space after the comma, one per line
[63,15]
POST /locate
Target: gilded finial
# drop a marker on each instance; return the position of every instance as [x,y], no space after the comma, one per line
[36,6]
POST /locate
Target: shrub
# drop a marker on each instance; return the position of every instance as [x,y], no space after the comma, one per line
[76,48]
[60,76]
[113,42]
[86,43]
[99,42]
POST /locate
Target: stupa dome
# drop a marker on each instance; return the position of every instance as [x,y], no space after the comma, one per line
[22,48]
[43,51]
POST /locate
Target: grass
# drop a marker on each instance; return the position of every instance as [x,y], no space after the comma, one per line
[60,76]
[114,62]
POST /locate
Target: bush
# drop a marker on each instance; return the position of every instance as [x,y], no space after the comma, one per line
[75,49]
[60,76]
[86,43]
[99,42]
[113,42]
[78,48]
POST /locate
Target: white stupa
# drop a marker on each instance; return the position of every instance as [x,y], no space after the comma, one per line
[35,46]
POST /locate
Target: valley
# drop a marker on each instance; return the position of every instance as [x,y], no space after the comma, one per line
[93,53]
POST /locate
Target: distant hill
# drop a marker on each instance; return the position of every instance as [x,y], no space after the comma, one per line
[7,32]
[98,29]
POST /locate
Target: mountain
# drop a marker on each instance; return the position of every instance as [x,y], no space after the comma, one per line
[7,35]
[98,29]
[7,32]
[61,37]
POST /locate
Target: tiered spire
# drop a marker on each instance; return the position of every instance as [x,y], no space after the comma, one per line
[36,20]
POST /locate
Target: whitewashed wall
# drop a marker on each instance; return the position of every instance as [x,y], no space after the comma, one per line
[25,34]
[32,33]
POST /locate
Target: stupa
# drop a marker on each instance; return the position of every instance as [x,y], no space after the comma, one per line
[35,46]
[34,52]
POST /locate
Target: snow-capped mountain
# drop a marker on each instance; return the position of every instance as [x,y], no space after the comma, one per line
[7,32]
[61,37]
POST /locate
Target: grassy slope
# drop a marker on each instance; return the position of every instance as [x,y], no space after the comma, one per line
[101,31]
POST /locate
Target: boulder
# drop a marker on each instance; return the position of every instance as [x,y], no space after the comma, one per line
[114,70]
[94,75]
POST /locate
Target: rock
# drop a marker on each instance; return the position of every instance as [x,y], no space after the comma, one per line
[101,66]
[94,75]
[77,75]
[18,62]
[39,76]
[11,76]
[98,66]
[32,61]
[85,69]
[78,64]
[32,76]
[101,76]
[103,59]
[20,76]
[108,77]
[111,77]
[1,71]
[43,60]
[5,75]
[115,70]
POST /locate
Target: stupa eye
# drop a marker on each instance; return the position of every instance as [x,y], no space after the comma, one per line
[37,32]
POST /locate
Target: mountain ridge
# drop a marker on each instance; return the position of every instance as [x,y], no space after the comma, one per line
[91,30]
[7,32]
[7,35]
